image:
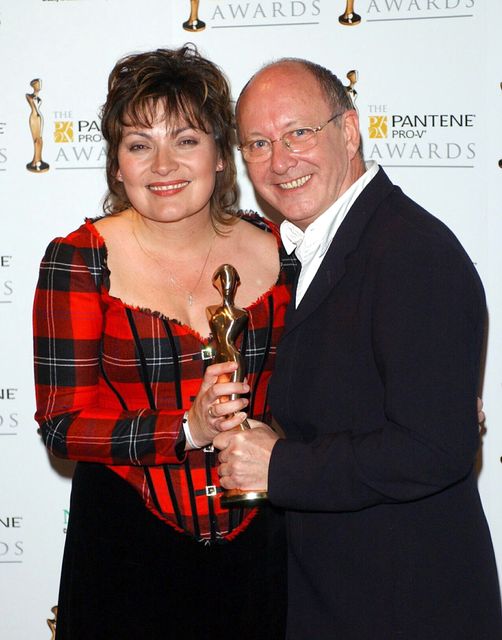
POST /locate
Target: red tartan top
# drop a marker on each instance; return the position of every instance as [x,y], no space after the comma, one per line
[113,381]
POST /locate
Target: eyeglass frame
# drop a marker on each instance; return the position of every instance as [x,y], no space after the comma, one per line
[315,130]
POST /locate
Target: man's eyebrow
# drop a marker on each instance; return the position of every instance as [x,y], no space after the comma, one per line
[291,124]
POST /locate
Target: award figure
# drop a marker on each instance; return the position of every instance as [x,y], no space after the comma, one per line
[349,18]
[193,23]
[52,622]
[227,322]
[352,78]
[37,165]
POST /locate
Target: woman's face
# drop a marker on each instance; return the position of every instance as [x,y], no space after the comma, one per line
[169,169]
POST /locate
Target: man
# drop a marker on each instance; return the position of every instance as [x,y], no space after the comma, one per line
[375,385]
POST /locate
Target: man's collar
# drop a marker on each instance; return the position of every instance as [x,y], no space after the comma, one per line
[326,225]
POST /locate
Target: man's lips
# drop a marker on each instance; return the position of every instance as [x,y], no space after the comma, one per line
[296,183]
[167,188]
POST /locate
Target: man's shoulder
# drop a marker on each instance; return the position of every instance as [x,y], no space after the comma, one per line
[403,224]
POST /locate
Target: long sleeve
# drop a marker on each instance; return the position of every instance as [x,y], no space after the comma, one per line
[68,322]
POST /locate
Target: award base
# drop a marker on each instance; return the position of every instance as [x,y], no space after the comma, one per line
[38,167]
[349,19]
[195,25]
[242,498]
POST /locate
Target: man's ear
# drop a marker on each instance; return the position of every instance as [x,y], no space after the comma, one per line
[351,132]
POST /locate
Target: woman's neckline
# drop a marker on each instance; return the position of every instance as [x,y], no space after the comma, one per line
[91,227]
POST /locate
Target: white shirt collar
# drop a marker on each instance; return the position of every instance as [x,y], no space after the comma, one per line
[320,233]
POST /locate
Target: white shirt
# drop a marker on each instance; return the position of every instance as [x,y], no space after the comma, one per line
[310,246]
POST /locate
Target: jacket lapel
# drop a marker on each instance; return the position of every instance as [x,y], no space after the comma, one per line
[344,243]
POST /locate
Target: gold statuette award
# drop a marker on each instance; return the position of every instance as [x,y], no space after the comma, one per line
[352,78]
[37,165]
[227,322]
[349,18]
[193,23]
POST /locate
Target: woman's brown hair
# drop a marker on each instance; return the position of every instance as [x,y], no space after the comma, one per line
[190,88]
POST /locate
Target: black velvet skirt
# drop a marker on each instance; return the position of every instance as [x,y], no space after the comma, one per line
[127,575]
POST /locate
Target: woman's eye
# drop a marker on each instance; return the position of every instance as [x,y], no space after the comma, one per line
[137,147]
[188,142]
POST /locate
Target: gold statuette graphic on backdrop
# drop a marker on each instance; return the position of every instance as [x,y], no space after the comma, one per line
[500,165]
[352,77]
[227,322]
[53,622]
[36,122]
[349,18]
[193,23]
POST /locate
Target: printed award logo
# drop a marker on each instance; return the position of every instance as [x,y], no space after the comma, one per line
[36,123]
[378,127]
[63,131]
[266,14]
[79,141]
[378,10]
[349,18]
[11,546]
[3,149]
[193,23]
[439,140]
[6,284]
[9,417]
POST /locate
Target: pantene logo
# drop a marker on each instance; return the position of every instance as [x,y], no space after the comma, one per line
[63,131]
[427,139]
[377,127]
[78,139]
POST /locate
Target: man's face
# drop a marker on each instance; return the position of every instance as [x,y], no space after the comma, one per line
[301,186]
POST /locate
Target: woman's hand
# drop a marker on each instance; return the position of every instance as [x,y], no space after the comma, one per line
[212,411]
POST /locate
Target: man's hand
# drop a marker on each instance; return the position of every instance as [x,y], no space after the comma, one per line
[245,456]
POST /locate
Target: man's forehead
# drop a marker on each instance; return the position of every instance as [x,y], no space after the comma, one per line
[287,90]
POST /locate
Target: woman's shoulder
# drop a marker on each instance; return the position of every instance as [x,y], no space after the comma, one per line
[259,227]
[83,250]
[86,235]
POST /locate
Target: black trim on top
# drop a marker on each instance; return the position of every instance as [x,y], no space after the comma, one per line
[153,406]
[176,364]
[142,359]
[191,495]
[268,343]
[108,382]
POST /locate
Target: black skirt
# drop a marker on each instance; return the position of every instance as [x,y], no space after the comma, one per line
[127,575]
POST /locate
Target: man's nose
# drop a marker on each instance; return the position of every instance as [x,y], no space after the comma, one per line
[282,158]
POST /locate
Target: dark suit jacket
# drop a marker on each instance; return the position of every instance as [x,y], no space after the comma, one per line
[375,386]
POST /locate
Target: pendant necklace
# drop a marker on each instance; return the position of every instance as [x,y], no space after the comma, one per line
[175,282]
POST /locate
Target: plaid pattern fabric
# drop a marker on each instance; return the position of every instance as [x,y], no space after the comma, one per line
[113,381]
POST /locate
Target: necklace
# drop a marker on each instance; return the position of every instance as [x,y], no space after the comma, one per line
[175,282]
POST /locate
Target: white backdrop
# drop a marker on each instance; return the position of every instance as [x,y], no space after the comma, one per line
[429,97]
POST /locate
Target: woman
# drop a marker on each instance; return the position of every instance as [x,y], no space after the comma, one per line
[122,346]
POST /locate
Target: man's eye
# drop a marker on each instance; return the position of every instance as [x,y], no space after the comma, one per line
[258,145]
[300,133]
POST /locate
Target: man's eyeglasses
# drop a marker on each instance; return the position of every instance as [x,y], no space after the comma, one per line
[296,141]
